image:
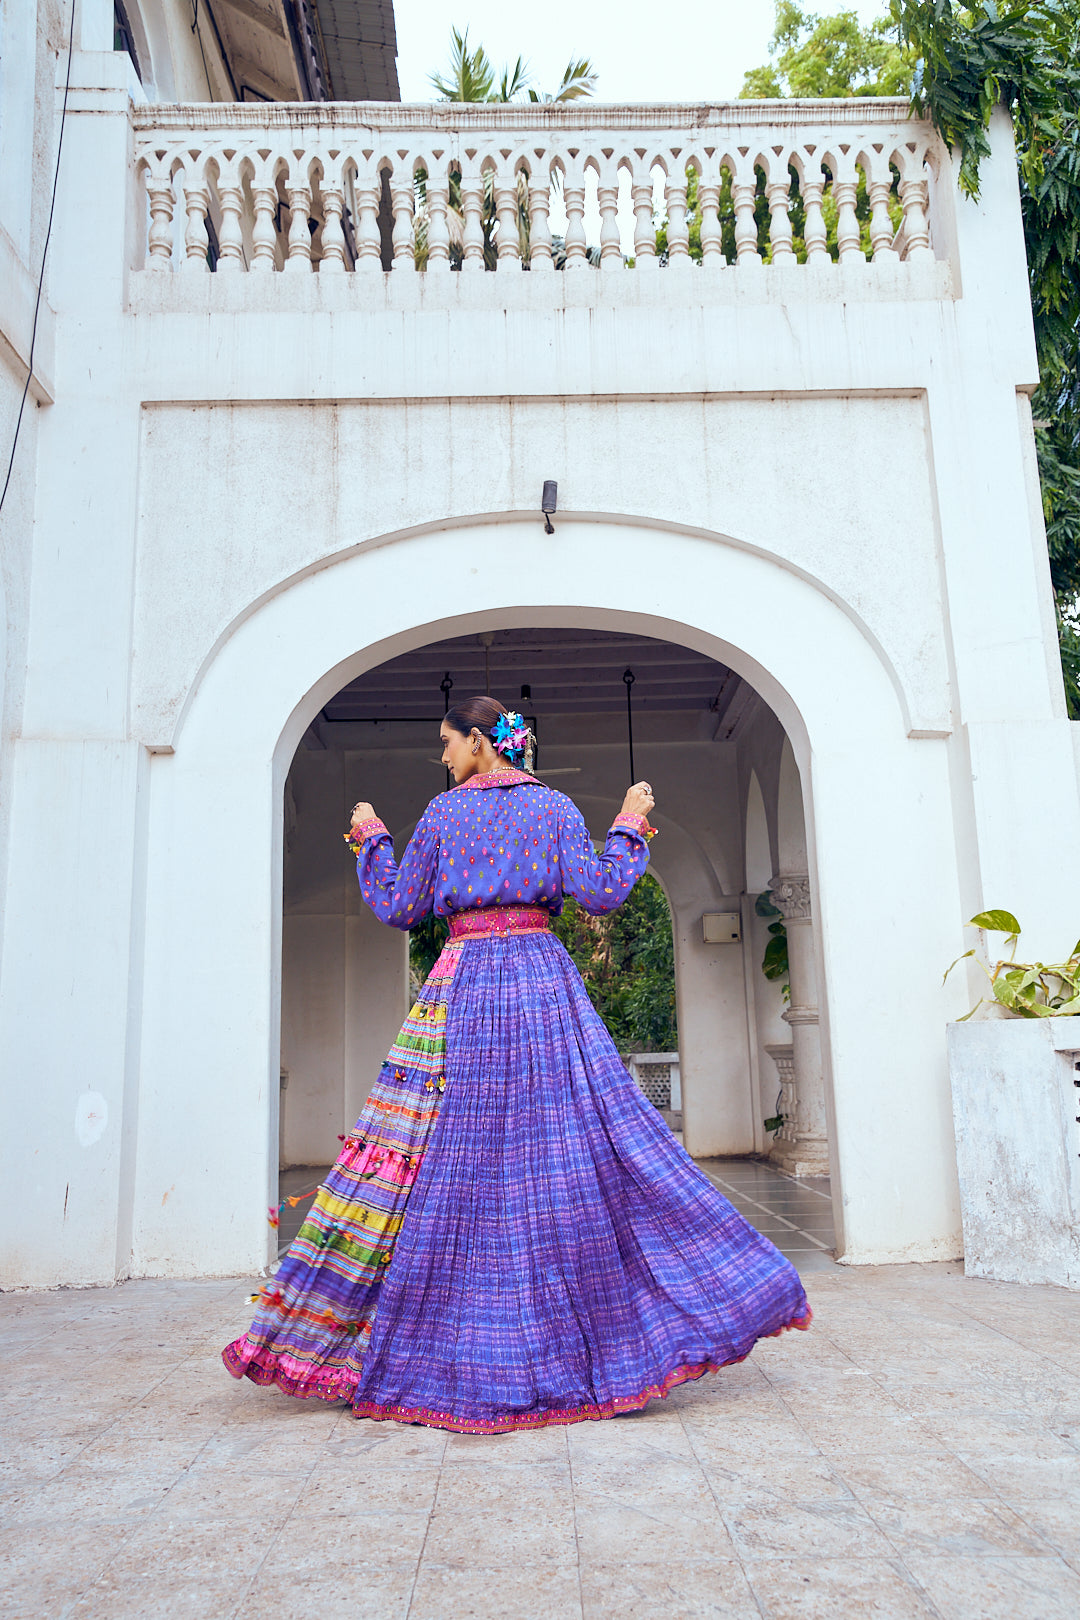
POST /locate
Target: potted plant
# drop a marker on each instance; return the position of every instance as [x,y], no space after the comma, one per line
[1015,1076]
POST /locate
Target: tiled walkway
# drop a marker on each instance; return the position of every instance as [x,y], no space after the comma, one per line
[796,1215]
[916,1453]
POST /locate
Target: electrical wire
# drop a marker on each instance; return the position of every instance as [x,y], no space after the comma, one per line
[197,31]
[44,258]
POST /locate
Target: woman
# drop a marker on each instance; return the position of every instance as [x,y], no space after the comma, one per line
[511,1236]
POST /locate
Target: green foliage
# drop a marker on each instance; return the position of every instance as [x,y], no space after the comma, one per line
[1025,989]
[470,76]
[426,940]
[820,56]
[830,56]
[971,59]
[774,964]
[796,214]
[626,959]
[627,962]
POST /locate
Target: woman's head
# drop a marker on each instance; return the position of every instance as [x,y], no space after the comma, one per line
[466,737]
[474,714]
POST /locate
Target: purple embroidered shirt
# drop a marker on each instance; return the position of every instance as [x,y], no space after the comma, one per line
[517,844]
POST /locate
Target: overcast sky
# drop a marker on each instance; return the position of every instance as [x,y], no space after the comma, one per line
[695,51]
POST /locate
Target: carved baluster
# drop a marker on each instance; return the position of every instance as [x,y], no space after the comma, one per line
[402,203]
[743,193]
[539,222]
[438,229]
[607,197]
[196,239]
[913,200]
[712,246]
[678,232]
[815,232]
[845,193]
[162,201]
[777,194]
[332,236]
[881,227]
[879,189]
[472,207]
[574,201]
[508,241]
[264,234]
[367,190]
[231,235]
[264,198]
[298,198]
[641,195]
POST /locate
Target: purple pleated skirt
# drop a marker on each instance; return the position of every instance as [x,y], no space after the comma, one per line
[511,1236]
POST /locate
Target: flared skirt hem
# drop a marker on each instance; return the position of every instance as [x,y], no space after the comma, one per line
[338,1384]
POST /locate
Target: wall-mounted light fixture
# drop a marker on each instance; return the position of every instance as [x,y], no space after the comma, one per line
[549,502]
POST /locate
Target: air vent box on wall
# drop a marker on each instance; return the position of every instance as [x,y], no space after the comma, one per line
[721,927]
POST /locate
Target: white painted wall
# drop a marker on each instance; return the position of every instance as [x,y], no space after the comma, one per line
[246,493]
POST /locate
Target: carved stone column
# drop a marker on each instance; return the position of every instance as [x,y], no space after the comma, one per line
[803,1145]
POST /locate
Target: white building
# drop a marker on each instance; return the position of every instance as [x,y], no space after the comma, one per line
[799,500]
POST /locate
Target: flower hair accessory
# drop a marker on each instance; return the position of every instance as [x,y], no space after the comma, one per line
[510,734]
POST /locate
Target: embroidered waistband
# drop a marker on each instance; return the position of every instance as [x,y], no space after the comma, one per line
[496,922]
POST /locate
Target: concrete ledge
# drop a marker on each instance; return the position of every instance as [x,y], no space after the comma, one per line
[180,291]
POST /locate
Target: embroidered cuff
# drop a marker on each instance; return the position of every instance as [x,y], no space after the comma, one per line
[357,836]
[625,821]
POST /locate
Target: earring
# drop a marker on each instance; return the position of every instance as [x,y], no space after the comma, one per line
[476,746]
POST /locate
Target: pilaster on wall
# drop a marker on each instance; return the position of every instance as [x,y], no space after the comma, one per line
[802,1146]
[97,197]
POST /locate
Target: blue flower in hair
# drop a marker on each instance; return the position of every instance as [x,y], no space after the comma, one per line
[510,734]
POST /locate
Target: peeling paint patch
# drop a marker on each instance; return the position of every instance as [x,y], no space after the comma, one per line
[91,1118]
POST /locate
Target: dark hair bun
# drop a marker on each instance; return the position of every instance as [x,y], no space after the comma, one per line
[481,712]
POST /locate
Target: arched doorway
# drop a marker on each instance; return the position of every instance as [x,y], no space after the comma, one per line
[210,1057]
[691,722]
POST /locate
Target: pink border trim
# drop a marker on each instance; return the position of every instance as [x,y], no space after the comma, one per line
[485,922]
[509,776]
[246,1360]
[627,821]
[575,1414]
[262,1367]
[358,835]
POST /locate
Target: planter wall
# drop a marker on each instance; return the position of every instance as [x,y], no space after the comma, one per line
[1016,1095]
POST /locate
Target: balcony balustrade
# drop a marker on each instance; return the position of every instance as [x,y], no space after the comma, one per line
[779,189]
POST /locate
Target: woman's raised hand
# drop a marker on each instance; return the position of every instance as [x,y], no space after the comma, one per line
[362,812]
[639,800]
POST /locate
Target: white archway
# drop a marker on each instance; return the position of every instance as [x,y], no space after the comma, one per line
[208,1093]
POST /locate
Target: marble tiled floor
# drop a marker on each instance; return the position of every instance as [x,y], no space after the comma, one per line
[916,1453]
[796,1215]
